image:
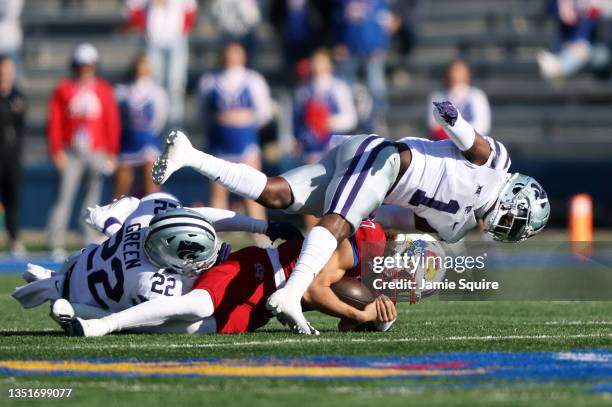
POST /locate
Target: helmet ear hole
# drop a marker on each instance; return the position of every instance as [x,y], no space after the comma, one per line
[170,239]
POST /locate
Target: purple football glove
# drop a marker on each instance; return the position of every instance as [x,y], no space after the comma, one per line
[283,230]
[447,112]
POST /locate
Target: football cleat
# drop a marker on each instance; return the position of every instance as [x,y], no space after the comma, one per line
[178,147]
[62,312]
[288,311]
[35,272]
[86,327]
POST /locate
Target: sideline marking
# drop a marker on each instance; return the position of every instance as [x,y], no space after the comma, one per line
[582,365]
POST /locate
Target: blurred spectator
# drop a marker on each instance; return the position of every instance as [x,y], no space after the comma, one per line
[301,26]
[362,30]
[83,139]
[237,20]
[471,101]
[12,117]
[144,109]
[404,16]
[167,24]
[577,20]
[11,36]
[235,102]
[322,106]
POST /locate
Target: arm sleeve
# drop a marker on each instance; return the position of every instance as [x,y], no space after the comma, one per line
[262,99]
[56,122]
[346,118]
[482,113]
[193,306]
[229,221]
[395,217]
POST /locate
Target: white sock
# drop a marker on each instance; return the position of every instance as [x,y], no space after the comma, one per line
[193,306]
[240,179]
[462,133]
[317,249]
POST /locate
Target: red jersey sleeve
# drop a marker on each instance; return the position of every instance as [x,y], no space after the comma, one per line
[217,279]
[55,126]
[111,118]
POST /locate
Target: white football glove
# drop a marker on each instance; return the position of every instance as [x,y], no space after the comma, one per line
[108,219]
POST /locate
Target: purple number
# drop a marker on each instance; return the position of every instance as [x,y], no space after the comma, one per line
[419,198]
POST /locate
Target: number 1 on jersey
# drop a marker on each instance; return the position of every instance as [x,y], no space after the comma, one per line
[419,198]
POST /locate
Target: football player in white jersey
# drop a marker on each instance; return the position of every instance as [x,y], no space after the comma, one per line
[128,268]
[449,186]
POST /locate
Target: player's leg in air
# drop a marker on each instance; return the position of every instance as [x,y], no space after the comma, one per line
[349,183]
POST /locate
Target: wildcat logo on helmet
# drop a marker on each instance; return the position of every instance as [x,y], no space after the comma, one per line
[181,239]
[189,250]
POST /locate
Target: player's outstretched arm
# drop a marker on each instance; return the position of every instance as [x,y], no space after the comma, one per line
[475,148]
[228,221]
[320,295]
[224,220]
[192,306]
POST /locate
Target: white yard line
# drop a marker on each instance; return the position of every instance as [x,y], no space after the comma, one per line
[578,322]
[314,341]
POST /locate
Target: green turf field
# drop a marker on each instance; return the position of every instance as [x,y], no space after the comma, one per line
[426,328]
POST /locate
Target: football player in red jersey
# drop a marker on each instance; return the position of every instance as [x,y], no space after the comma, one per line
[230,297]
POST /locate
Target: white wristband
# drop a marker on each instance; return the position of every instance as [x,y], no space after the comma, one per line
[462,134]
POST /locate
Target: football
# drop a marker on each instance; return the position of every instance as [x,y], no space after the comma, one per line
[353,292]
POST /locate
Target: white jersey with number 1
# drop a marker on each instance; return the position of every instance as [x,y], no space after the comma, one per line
[445,188]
